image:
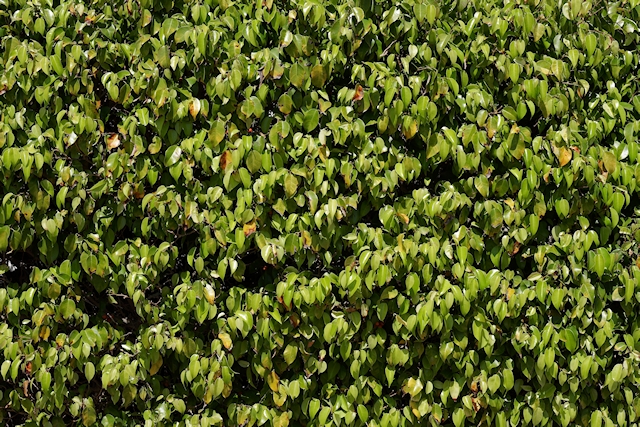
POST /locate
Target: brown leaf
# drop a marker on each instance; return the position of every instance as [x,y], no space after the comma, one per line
[249,228]
[475,403]
[295,320]
[359,93]
[138,192]
[28,368]
[113,141]
[516,248]
[225,160]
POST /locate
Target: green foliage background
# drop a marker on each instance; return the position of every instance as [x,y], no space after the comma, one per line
[316,213]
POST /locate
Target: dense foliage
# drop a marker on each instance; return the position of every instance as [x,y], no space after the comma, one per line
[315,213]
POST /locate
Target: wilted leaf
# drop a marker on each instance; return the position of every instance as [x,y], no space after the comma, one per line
[249,228]
[225,160]
[113,141]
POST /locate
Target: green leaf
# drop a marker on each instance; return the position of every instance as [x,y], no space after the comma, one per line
[290,353]
[494,383]
[571,339]
[290,185]
[610,161]
[254,161]
[311,120]
[88,416]
[217,132]
[285,104]
[172,155]
[363,413]
[298,75]
[163,56]
[412,386]
[318,76]
[67,308]
[314,407]
[458,417]
[89,371]
[617,373]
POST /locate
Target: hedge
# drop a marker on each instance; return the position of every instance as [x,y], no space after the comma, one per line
[319,213]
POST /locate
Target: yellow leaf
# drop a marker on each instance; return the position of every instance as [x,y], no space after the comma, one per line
[209,294]
[44,332]
[273,380]
[403,217]
[564,156]
[226,340]
[410,128]
[194,108]
[306,239]
[249,228]
[155,367]
[208,395]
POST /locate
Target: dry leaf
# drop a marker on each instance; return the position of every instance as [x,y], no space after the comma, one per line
[476,404]
[249,228]
[113,141]
[359,93]
[295,320]
[225,160]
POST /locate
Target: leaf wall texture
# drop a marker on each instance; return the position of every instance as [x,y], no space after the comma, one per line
[319,213]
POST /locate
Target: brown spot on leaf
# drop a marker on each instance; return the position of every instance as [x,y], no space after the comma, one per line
[249,228]
[225,160]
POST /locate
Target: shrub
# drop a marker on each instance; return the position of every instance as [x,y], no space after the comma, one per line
[316,213]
